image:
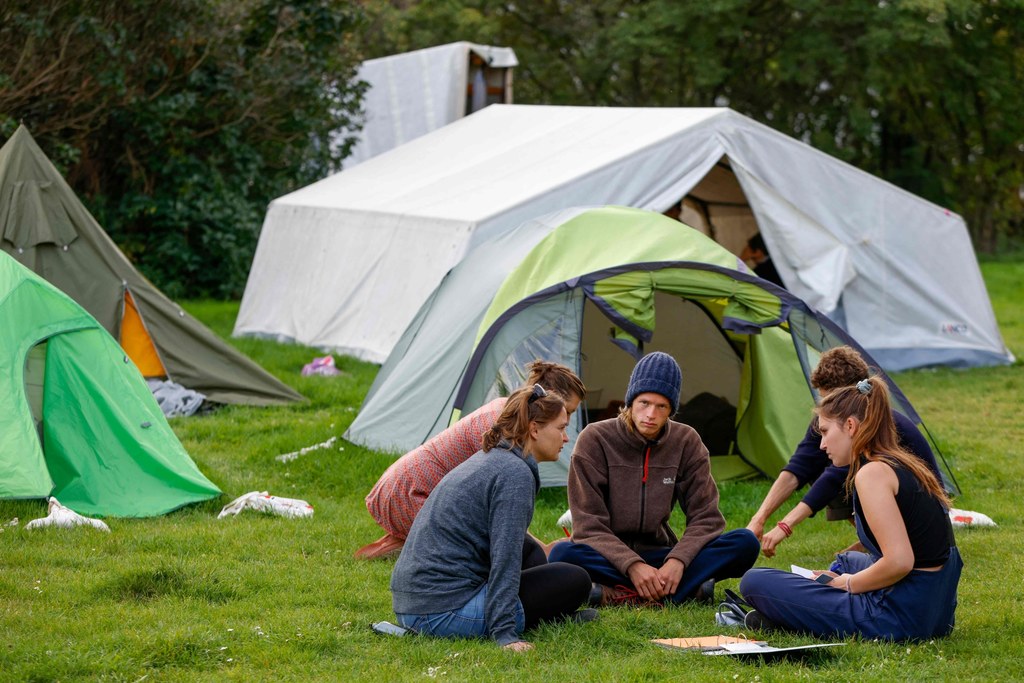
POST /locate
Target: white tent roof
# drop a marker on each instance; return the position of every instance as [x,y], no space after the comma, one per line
[413,93]
[346,262]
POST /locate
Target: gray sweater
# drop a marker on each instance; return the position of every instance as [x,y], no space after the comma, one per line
[470,532]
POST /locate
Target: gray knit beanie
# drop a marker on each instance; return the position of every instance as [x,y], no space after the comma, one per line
[657,372]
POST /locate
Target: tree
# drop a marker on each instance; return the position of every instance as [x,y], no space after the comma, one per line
[950,84]
[179,120]
[923,93]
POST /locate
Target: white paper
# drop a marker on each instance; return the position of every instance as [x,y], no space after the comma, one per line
[743,647]
[800,571]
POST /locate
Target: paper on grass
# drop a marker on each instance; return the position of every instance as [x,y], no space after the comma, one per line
[748,646]
[60,516]
[737,646]
[701,643]
[764,649]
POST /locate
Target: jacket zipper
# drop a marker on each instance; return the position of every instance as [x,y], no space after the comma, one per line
[643,490]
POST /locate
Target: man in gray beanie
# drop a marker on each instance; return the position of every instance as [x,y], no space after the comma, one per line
[625,476]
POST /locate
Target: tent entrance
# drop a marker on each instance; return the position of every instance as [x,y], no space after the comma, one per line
[718,207]
[137,342]
[712,372]
[683,330]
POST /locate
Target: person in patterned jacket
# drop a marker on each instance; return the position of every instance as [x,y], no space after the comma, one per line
[402,490]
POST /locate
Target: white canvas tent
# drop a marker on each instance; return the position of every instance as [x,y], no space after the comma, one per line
[345,263]
[413,93]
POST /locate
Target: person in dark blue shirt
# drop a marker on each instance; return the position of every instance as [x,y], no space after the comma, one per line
[757,253]
[837,368]
[905,586]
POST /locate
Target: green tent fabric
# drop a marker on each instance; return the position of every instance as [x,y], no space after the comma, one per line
[46,228]
[595,288]
[77,420]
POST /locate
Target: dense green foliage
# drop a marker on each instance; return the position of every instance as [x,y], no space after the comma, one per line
[178,121]
[925,94]
[188,597]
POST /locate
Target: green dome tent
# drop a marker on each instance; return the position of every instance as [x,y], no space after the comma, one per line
[77,420]
[594,289]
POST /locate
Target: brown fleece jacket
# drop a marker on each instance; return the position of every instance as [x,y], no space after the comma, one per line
[616,512]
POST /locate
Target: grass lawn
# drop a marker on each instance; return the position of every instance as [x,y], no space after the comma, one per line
[190,597]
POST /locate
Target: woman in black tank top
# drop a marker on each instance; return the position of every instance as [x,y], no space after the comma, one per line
[905,586]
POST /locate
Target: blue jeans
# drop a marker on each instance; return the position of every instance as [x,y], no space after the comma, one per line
[466,622]
[728,556]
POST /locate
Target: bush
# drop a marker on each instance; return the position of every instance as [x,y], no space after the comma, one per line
[178,121]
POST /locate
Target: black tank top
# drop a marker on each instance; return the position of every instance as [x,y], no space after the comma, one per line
[927,522]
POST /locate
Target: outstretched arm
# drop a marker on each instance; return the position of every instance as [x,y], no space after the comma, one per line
[781,490]
[771,540]
[806,464]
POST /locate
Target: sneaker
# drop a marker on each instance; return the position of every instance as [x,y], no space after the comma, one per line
[583,616]
[596,597]
[705,593]
[756,621]
[385,547]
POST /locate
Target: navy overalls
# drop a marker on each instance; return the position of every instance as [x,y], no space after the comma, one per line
[918,607]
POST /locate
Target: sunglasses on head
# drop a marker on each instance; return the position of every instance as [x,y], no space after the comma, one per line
[538,392]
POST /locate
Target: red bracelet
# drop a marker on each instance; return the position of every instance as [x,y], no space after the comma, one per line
[788,530]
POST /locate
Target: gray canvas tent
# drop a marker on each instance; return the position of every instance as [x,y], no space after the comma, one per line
[346,262]
[46,228]
[593,288]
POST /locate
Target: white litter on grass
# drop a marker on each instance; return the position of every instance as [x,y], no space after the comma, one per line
[261,501]
[962,518]
[565,521]
[288,457]
[66,518]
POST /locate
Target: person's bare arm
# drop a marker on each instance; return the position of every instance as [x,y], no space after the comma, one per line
[876,488]
[781,490]
[773,538]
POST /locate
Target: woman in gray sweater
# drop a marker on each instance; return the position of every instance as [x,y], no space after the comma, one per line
[460,572]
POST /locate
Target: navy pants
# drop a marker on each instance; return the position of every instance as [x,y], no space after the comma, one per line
[728,556]
[918,607]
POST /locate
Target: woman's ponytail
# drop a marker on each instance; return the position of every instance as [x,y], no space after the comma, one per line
[526,405]
[876,439]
